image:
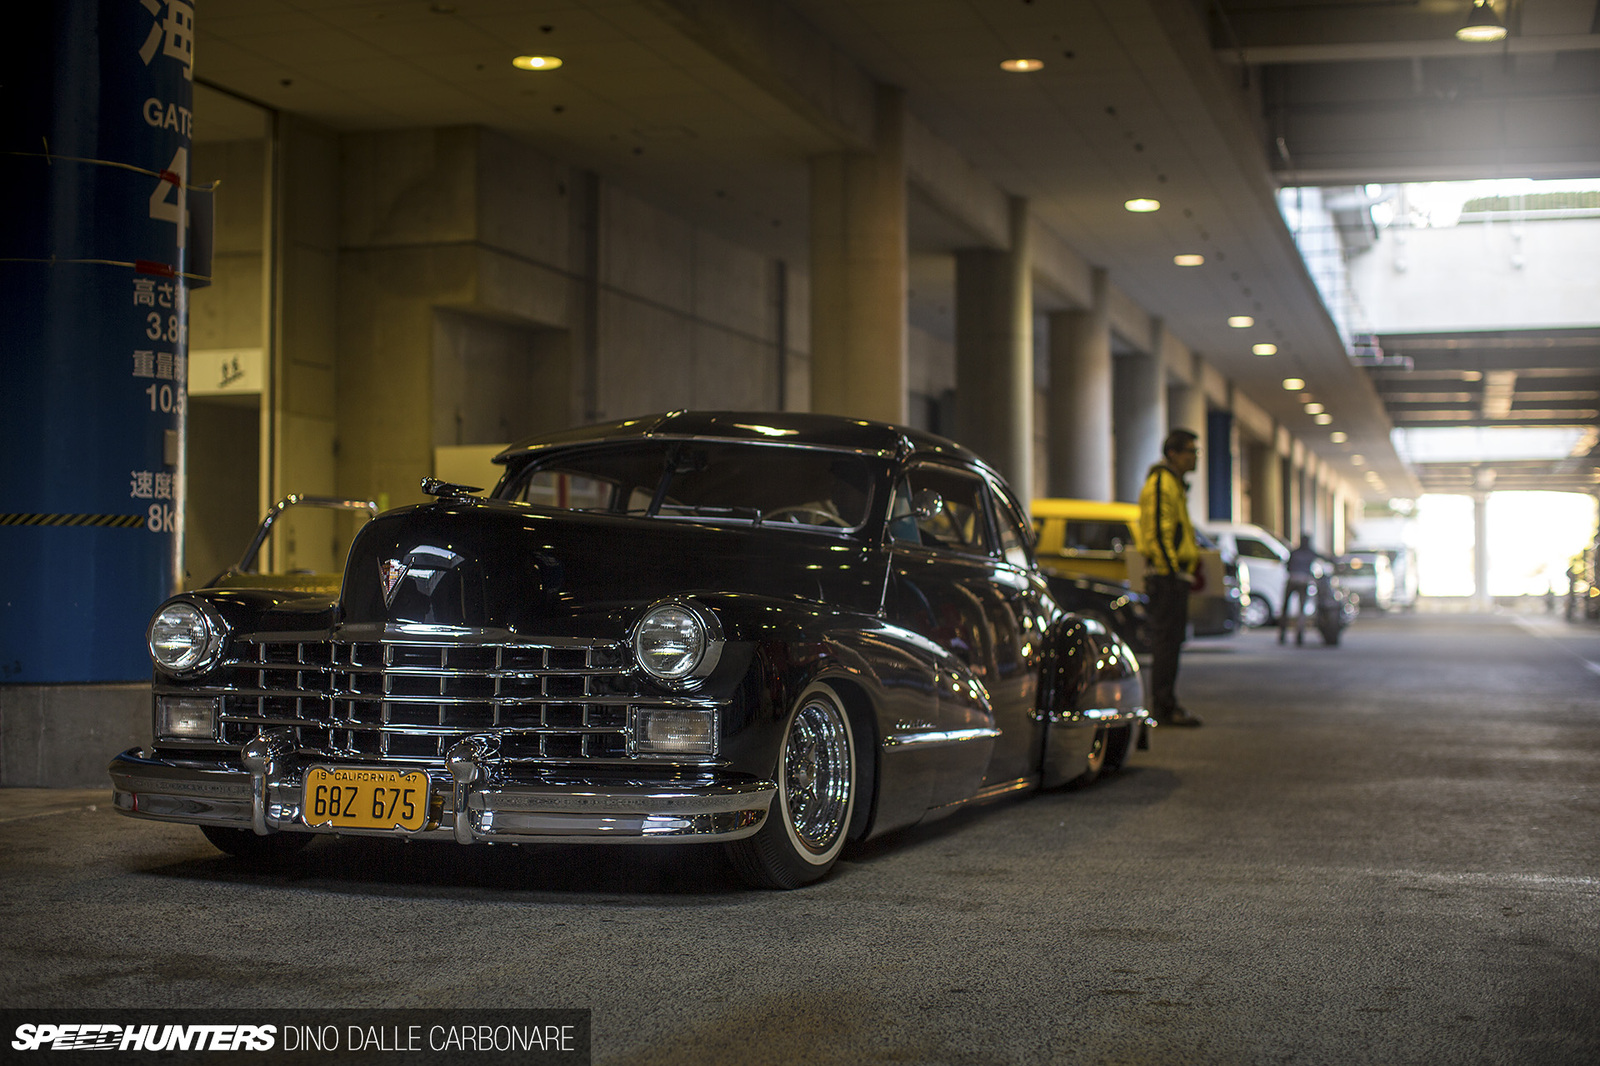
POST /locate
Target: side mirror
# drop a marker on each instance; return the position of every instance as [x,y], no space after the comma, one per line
[926,504]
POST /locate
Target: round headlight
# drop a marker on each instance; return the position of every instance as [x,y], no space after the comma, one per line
[673,642]
[182,637]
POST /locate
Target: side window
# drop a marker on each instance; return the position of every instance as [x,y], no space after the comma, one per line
[1013,527]
[1090,536]
[1251,548]
[959,526]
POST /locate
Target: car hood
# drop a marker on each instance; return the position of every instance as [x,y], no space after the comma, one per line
[490,564]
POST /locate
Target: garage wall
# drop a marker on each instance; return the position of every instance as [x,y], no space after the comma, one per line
[486,288]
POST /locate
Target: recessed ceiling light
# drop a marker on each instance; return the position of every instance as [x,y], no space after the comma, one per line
[1314,408]
[536,62]
[1189,259]
[1022,66]
[1265,349]
[1339,436]
[1483,25]
[1358,460]
[1294,384]
[1241,321]
[1323,419]
[1142,205]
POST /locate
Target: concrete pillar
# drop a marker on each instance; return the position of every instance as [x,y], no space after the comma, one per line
[102,243]
[1081,456]
[1266,487]
[1480,552]
[1186,409]
[1299,508]
[994,353]
[1139,413]
[858,274]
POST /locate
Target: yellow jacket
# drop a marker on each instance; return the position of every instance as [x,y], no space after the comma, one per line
[1166,537]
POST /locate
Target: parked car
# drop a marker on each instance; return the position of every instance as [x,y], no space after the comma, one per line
[250,571]
[1094,539]
[1403,568]
[1118,606]
[1367,576]
[778,633]
[1263,557]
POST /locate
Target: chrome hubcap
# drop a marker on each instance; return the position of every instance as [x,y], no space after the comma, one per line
[816,774]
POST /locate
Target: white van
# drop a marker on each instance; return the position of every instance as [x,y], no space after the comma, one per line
[1263,556]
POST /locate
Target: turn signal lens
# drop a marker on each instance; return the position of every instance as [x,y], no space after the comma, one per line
[674,732]
[186,718]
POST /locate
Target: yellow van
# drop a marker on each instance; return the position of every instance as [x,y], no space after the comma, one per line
[1095,539]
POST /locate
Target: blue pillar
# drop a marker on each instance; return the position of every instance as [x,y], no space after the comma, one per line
[93,351]
[1219,466]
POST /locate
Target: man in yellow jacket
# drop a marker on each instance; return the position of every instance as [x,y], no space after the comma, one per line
[1166,540]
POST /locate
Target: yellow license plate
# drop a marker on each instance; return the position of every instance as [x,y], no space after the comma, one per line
[361,797]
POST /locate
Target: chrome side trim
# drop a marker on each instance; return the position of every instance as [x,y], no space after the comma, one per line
[1094,714]
[934,738]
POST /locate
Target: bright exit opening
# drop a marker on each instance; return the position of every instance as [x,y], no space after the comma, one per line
[1532,537]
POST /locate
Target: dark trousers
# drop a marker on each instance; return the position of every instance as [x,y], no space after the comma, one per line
[1167,618]
[1296,590]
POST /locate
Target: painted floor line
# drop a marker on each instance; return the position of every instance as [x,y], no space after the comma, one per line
[1588,664]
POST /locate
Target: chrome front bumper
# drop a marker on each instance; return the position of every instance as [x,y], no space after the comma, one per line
[266,796]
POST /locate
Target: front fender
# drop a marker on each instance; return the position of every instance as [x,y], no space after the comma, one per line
[922,717]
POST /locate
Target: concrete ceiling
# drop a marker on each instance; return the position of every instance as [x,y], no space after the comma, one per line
[1204,106]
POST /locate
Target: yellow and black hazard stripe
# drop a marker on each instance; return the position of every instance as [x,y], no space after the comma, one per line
[123,521]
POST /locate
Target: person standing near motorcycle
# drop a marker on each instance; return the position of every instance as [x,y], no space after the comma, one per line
[1296,588]
[1166,540]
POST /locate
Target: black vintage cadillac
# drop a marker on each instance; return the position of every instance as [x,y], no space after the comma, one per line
[775,632]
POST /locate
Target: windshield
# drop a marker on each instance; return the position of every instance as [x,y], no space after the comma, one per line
[704,480]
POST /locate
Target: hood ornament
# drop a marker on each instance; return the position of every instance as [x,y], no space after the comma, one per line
[392,571]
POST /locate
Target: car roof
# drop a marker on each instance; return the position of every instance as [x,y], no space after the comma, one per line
[1088,510]
[813,430]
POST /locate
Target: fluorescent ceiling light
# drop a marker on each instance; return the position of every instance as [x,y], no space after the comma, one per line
[536,62]
[1323,419]
[1189,259]
[1294,384]
[1314,408]
[1022,66]
[1142,205]
[1339,436]
[1241,321]
[1265,349]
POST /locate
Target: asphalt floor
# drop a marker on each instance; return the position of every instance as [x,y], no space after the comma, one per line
[1382,852]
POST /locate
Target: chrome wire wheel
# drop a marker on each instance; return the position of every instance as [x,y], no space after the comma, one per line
[818,775]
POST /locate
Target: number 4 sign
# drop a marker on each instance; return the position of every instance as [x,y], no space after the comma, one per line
[169,201]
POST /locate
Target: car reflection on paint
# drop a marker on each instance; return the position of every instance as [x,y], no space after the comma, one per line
[774,633]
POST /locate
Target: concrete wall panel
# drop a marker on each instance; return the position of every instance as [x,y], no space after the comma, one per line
[646,361]
[732,371]
[524,200]
[645,251]
[404,187]
[733,288]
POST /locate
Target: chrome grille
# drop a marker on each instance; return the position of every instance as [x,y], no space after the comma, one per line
[550,701]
